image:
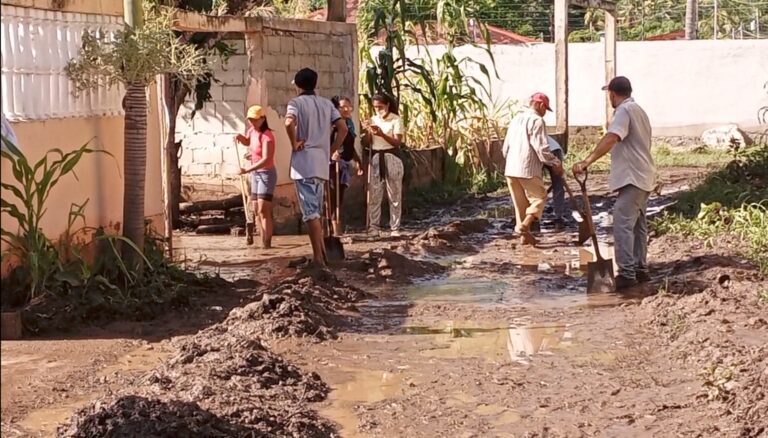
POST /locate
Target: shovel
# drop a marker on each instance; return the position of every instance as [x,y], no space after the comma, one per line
[599,272]
[334,249]
[584,231]
[249,222]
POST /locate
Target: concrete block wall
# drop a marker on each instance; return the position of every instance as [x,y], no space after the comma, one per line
[206,138]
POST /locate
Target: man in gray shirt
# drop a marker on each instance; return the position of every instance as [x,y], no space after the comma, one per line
[632,175]
[308,123]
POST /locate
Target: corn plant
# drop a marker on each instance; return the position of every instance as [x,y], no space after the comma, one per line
[25,201]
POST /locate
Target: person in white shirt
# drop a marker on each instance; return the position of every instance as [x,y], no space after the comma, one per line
[385,136]
[632,175]
[526,150]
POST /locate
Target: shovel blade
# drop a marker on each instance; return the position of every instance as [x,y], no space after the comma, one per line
[600,276]
[584,232]
[334,249]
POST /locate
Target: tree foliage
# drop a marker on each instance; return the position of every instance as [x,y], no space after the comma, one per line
[136,56]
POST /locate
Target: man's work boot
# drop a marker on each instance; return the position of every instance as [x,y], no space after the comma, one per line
[623,283]
[643,277]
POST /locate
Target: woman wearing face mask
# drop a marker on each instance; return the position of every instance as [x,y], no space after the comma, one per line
[262,169]
[385,136]
[343,158]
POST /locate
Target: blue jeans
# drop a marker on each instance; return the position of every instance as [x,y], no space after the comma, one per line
[263,183]
[311,192]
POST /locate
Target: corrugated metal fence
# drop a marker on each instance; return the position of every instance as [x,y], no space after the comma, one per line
[36,46]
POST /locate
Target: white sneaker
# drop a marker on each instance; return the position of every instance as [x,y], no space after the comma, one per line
[374,232]
[395,233]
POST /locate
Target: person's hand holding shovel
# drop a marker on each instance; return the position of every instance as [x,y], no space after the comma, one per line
[580,167]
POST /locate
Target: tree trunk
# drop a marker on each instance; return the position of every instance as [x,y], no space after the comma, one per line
[337,10]
[691,19]
[135,163]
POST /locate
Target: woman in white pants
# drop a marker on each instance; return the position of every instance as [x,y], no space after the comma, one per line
[385,136]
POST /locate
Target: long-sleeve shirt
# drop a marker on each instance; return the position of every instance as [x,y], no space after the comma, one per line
[526,147]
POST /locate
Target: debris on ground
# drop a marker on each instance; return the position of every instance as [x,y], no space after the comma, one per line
[309,304]
[134,416]
[706,310]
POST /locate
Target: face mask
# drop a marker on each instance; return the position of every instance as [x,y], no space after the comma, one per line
[382,113]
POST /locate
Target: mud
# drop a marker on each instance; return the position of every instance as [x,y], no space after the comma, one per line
[447,239]
[395,267]
[310,304]
[133,416]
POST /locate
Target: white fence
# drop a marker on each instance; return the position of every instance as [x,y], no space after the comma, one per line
[36,46]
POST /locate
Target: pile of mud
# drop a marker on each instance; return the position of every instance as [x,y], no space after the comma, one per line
[392,266]
[448,239]
[714,322]
[232,375]
[133,416]
[310,304]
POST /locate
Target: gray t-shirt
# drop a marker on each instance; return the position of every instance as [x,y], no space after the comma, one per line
[314,117]
[631,160]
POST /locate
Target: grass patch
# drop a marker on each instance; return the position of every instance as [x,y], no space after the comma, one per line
[663,156]
[732,200]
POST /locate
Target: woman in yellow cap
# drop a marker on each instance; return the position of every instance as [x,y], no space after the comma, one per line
[262,169]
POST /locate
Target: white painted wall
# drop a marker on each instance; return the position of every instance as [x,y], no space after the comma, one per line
[685,86]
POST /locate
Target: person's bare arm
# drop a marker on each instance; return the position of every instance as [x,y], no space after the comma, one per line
[290,129]
[242,139]
[341,134]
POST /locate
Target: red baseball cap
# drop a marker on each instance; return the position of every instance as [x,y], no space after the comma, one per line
[542,98]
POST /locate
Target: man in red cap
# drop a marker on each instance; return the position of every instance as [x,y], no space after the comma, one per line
[526,150]
[632,175]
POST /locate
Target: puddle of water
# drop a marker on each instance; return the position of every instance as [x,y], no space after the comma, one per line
[43,422]
[365,386]
[512,292]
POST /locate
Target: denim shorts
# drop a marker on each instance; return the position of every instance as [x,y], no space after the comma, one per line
[263,183]
[311,191]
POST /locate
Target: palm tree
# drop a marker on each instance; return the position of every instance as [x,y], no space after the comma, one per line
[133,58]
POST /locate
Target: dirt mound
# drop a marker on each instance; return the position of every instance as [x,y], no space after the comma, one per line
[393,266]
[448,238]
[307,305]
[133,416]
[240,380]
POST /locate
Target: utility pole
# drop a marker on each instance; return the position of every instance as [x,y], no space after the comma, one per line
[714,22]
[757,22]
[691,19]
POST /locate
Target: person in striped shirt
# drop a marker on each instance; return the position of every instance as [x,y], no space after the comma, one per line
[526,150]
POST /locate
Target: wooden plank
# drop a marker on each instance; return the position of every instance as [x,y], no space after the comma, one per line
[561,68]
[606,5]
[610,59]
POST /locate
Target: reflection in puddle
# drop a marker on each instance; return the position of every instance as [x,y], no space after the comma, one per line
[534,339]
[495,344]
[541,293]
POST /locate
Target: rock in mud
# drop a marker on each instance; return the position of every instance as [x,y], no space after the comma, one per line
[134,416]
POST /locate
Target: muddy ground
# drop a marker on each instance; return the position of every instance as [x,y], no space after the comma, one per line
[452,330]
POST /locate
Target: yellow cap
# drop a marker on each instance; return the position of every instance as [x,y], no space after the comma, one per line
[255,112]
